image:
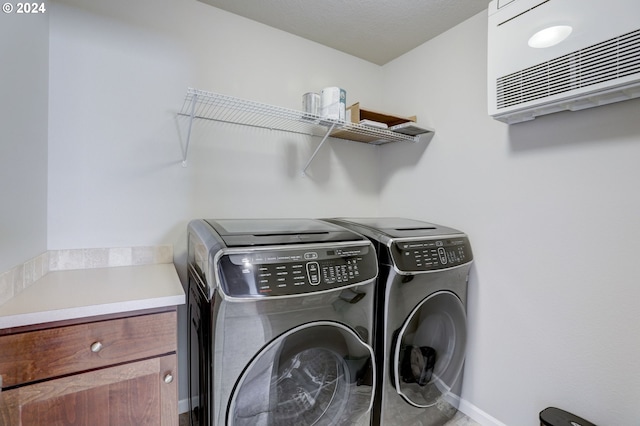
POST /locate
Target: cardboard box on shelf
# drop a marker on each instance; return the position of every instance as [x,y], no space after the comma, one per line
[357,115]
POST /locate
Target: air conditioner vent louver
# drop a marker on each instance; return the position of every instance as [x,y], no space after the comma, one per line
[609,60]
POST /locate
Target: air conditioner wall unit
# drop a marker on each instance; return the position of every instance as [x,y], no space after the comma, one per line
[598,61]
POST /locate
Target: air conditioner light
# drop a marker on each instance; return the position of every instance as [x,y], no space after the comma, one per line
[550,36]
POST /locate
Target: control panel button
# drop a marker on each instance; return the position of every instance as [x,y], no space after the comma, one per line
[313,273]
[443,255]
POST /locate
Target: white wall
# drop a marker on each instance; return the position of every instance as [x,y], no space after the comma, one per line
[118,75]
[552,208]
[24,54]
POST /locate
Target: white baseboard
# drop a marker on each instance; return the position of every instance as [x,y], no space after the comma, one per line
[477,415]
[183,406]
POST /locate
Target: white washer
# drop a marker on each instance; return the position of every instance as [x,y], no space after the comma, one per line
[420,329]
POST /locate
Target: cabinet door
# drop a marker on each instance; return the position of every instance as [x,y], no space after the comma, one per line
[130,394]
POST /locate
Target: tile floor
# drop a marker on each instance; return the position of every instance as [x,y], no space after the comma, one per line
[461,420]
[184,419]
[458,420]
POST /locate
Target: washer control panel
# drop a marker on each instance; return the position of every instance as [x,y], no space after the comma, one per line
[431,254]
[287,272]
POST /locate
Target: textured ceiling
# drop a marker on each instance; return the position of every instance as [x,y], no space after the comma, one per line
[375,30]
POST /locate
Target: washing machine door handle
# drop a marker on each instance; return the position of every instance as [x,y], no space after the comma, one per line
[392,360]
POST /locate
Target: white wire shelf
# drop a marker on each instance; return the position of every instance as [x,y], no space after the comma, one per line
[200,104]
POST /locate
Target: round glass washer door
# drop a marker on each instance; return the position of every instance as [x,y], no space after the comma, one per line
[317,374]
[429,349]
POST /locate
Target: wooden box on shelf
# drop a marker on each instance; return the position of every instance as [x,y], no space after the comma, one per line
[356,114]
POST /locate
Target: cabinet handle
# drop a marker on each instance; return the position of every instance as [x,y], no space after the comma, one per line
[168,378]
[96,347]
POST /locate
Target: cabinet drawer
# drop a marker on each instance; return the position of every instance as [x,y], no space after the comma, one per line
[37,355]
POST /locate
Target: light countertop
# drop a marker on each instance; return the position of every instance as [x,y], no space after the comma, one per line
[64,295]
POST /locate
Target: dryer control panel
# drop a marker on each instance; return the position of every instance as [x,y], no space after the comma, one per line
[288,272]
[431,254]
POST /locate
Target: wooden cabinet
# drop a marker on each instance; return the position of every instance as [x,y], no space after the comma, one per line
[117,371]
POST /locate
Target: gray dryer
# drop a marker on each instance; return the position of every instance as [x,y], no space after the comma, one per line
[420,327]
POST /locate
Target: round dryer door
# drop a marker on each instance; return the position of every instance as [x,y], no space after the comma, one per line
[319,373]
[429,348]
